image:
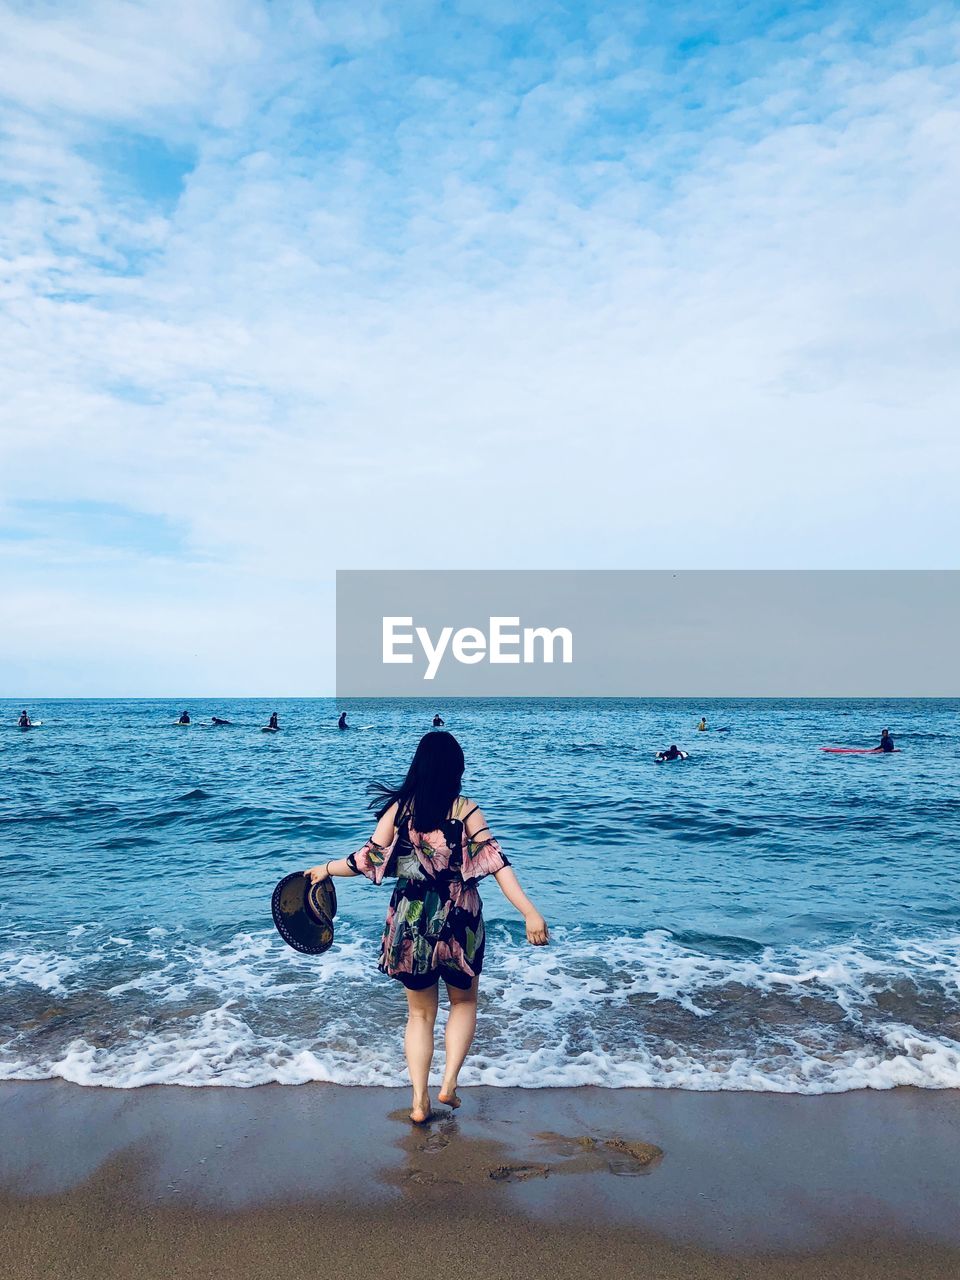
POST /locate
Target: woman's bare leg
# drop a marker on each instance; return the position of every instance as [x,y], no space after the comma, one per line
[418,1045]
[461,1024]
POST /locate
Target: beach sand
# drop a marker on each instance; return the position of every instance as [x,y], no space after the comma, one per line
[321,1180]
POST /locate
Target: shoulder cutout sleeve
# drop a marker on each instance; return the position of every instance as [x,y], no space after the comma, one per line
[482,855]
[374,860]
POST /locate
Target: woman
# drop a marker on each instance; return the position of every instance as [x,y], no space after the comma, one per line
[437,843]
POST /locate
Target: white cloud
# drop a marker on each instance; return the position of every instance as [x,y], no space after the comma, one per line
[122,61]
[590,305]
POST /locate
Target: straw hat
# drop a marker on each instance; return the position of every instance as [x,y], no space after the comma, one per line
[303,912]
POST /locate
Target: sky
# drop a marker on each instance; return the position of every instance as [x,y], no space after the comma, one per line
[293,287]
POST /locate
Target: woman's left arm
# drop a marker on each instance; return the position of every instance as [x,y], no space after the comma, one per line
[341,866]
[335,867]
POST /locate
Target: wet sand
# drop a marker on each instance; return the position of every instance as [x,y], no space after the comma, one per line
[321,1180]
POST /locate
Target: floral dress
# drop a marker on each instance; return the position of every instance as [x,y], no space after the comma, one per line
[434,926]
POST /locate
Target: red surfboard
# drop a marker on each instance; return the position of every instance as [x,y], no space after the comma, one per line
[858,751]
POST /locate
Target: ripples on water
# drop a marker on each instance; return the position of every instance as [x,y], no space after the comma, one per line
[761,916]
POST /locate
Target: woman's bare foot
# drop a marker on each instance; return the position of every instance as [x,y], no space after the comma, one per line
[448,1097]
[420,1111]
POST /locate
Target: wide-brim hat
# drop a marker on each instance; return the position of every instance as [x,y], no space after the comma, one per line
[303,912]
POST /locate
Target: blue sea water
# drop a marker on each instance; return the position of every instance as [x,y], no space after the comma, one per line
[761,916]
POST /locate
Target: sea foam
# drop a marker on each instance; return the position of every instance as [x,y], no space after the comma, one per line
[618,1011]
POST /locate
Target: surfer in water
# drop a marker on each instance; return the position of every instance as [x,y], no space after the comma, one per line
[886,742]
[438,721]
[702,726]
[184,718]
[673,752]
[273,722]
[342,722]
[437,844]
[217,720]
[24,722]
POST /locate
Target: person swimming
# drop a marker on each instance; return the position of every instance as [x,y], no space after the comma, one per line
[217,720]
[673,752]
[342,722]
[886,742]
[184,718]
[273,721]
[24,722]
[702,726]
[438,721]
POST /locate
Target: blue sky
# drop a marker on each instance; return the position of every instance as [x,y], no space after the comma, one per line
[293,287]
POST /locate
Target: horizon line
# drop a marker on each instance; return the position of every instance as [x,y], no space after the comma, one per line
[487,697]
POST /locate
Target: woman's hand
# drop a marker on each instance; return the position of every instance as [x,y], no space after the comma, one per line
[317,874]
[537,932]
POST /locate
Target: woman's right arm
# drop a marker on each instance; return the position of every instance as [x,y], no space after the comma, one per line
[538,935]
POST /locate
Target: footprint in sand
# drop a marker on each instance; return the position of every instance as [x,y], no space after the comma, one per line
[627,1159]
[585,1154]
[435,1142]
[518,1172]
[421,1177]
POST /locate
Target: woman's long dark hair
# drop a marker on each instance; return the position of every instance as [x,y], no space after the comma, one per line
[431,785]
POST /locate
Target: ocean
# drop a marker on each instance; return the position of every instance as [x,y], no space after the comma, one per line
[761,916]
